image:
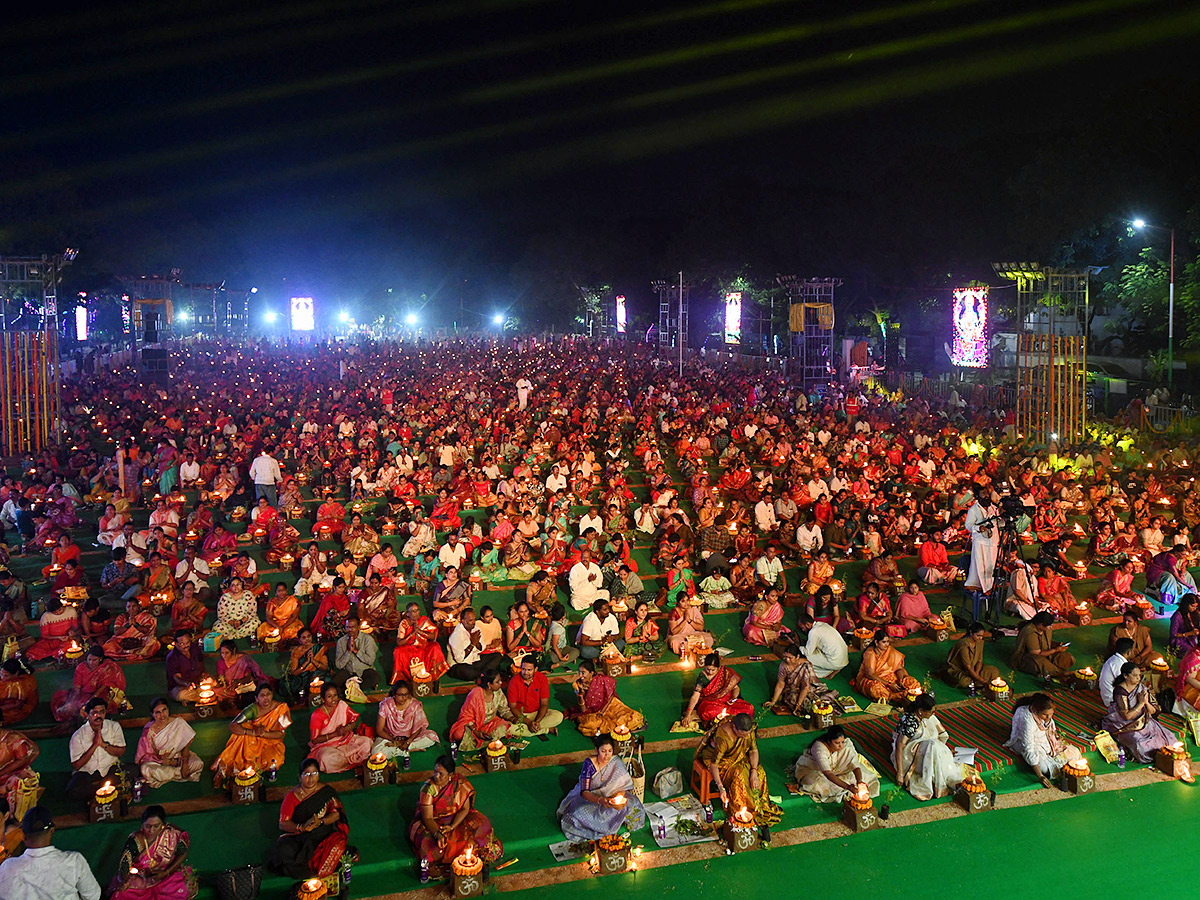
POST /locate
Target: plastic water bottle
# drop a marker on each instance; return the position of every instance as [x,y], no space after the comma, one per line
[139,789]
[347,869]
[708,813]
[406,760]
[1120,757]
[454,750]
[424,871]
[971,689]
[273,772]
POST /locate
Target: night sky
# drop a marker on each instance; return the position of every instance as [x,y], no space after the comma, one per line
[357,146]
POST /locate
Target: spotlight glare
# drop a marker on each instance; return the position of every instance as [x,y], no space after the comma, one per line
[411,319]
[498,319]
[343,316]
[271,316]
[1139,224]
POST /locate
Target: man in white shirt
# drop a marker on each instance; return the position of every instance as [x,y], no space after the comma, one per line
[1112,668]
[585,580]
[824,435]
[599,627]
[764,515]
[591,519]
[768,571]
[817,486]
[43,872]
[452,553]
[465,648]
[265,474]
[556,481]
[809,537]
[189,470]
[94,749]
[825,648]
[193,568]
[134,544]
[786,510]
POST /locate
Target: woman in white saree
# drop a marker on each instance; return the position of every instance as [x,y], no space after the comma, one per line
[924,762]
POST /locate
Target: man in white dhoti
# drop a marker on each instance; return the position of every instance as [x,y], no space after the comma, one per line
[985,540]
[524,387]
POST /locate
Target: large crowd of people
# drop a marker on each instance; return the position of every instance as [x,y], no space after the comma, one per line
[388,484]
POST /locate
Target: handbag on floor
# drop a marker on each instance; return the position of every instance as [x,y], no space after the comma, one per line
[668,783]
[242,883]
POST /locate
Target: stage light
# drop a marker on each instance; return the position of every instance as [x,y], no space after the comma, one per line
[183,315]
[411,319]
[498,319]
[343,317]
[271,316]
[1139,224]
[254,290]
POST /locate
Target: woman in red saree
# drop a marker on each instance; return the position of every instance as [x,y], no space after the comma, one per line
[600,709]
[333,744]
[417,647]
[331,516]
[329,622]
[716,694]
[445,512]
[447,823]
[95,676]
[153,862]
[133,635]
[485,714]
[64,550]
[314,828]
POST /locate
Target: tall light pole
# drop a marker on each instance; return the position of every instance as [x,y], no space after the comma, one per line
[1141,225]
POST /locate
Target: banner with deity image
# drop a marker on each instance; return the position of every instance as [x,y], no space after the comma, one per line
[733,317]
[303,318]
[970,347]
[622,319]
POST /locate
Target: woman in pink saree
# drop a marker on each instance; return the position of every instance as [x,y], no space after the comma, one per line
[686,620]
[447,822]
[334,744]
[57,624]
[765,625]
[153,862]
[217,543]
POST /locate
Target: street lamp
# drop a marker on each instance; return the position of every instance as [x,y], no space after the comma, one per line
[1142,225]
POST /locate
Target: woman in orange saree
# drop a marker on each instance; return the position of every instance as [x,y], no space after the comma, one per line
[256,737]
[882,675]
[417,642]
[282,615]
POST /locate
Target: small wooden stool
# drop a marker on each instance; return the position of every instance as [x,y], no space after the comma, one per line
[702,781]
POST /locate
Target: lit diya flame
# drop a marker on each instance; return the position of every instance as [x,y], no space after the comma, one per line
[743,816]
[1087,672]
[999,683]
[248,772]
[496,744]
[621,729]
[1177,747]
[106,790]
[860,793]
[1158,663]
[619,800]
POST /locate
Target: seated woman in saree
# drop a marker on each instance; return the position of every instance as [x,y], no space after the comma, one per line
[238,674]
[716,590]
[681,582]
[964,666]
[314,829]
[444,515]
[64,551]
[331,519]
[217,544]
[329,621]
[111,525]
[1176,581]
[874,611]
[1131,715]
[58,625]
[308,660]
[685,624]
[1143,652]
[824,606]
[882,571]
[603,802]
[764,625]
[832,768]
[334,743]
[641,632]
[19,784]
[417,653]
[256,737]
[377,605]
[1035,738]
[446,822]
[881,675]
[133,637]
[385,563]
[485,714]
[1184,631]
[524,635]
[401,727]
[95,676]
[1116,588]
[516,558]
[164,749]
[716,694]
[18,692]
[359,540]
[912,609]
[923,760]
[729,751]
[1036,653]
[282,538]
[153,863]
[188,611]
[158,584]
[797,686]
[281,620]
[237,612]
[451,596]
[600,710]
[1055,591]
